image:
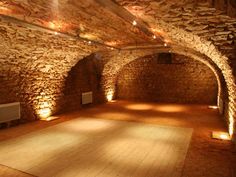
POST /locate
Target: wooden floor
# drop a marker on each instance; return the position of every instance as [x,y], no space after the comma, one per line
[206,157]
[99,148]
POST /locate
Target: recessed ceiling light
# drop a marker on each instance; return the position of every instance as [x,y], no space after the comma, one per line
[134,23]
[154,37]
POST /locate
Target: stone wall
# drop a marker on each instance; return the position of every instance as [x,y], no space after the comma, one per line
[34,66]
[183,81]
[228,6]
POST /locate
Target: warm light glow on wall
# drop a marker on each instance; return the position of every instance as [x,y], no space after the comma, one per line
[111,43]
[44,106]
[231,125]
[57,25]
[158,31]
[52,25]
[88,36]
[110,95]
[4,10]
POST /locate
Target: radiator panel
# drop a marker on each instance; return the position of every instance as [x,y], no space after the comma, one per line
[87,97]
[9,112]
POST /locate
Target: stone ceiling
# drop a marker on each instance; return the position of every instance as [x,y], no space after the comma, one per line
[90,20]
[87,19]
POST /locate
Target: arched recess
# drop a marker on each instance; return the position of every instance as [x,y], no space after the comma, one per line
[173,78]
[54,99]
[83,77]
[121,58]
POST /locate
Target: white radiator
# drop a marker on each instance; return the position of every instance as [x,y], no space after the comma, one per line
[87,97]
[10,111]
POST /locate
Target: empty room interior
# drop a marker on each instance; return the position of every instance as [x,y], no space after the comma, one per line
[117,88]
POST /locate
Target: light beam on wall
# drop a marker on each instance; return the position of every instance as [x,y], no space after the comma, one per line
[231,125]
[4,10]
[110,95]
[44,107]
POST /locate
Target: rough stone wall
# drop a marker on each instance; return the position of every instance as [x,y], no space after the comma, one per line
[34,66]
[183,81]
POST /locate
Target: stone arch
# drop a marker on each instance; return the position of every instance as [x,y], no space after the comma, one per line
[115,65]
[216,76]
[209,49]
[189,30]
[35,69]
[121,58]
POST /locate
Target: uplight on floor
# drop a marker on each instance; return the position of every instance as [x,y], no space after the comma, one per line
[50,118]
[221,135]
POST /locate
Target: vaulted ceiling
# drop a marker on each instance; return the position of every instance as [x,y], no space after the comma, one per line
[90,19]
[110,22]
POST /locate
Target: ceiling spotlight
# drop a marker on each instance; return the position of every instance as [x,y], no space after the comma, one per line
[134,23]
[165,44]
[154,37]
[89,42]
[52,25]
[56,33]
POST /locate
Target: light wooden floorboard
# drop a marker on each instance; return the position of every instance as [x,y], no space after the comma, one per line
[99,148]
